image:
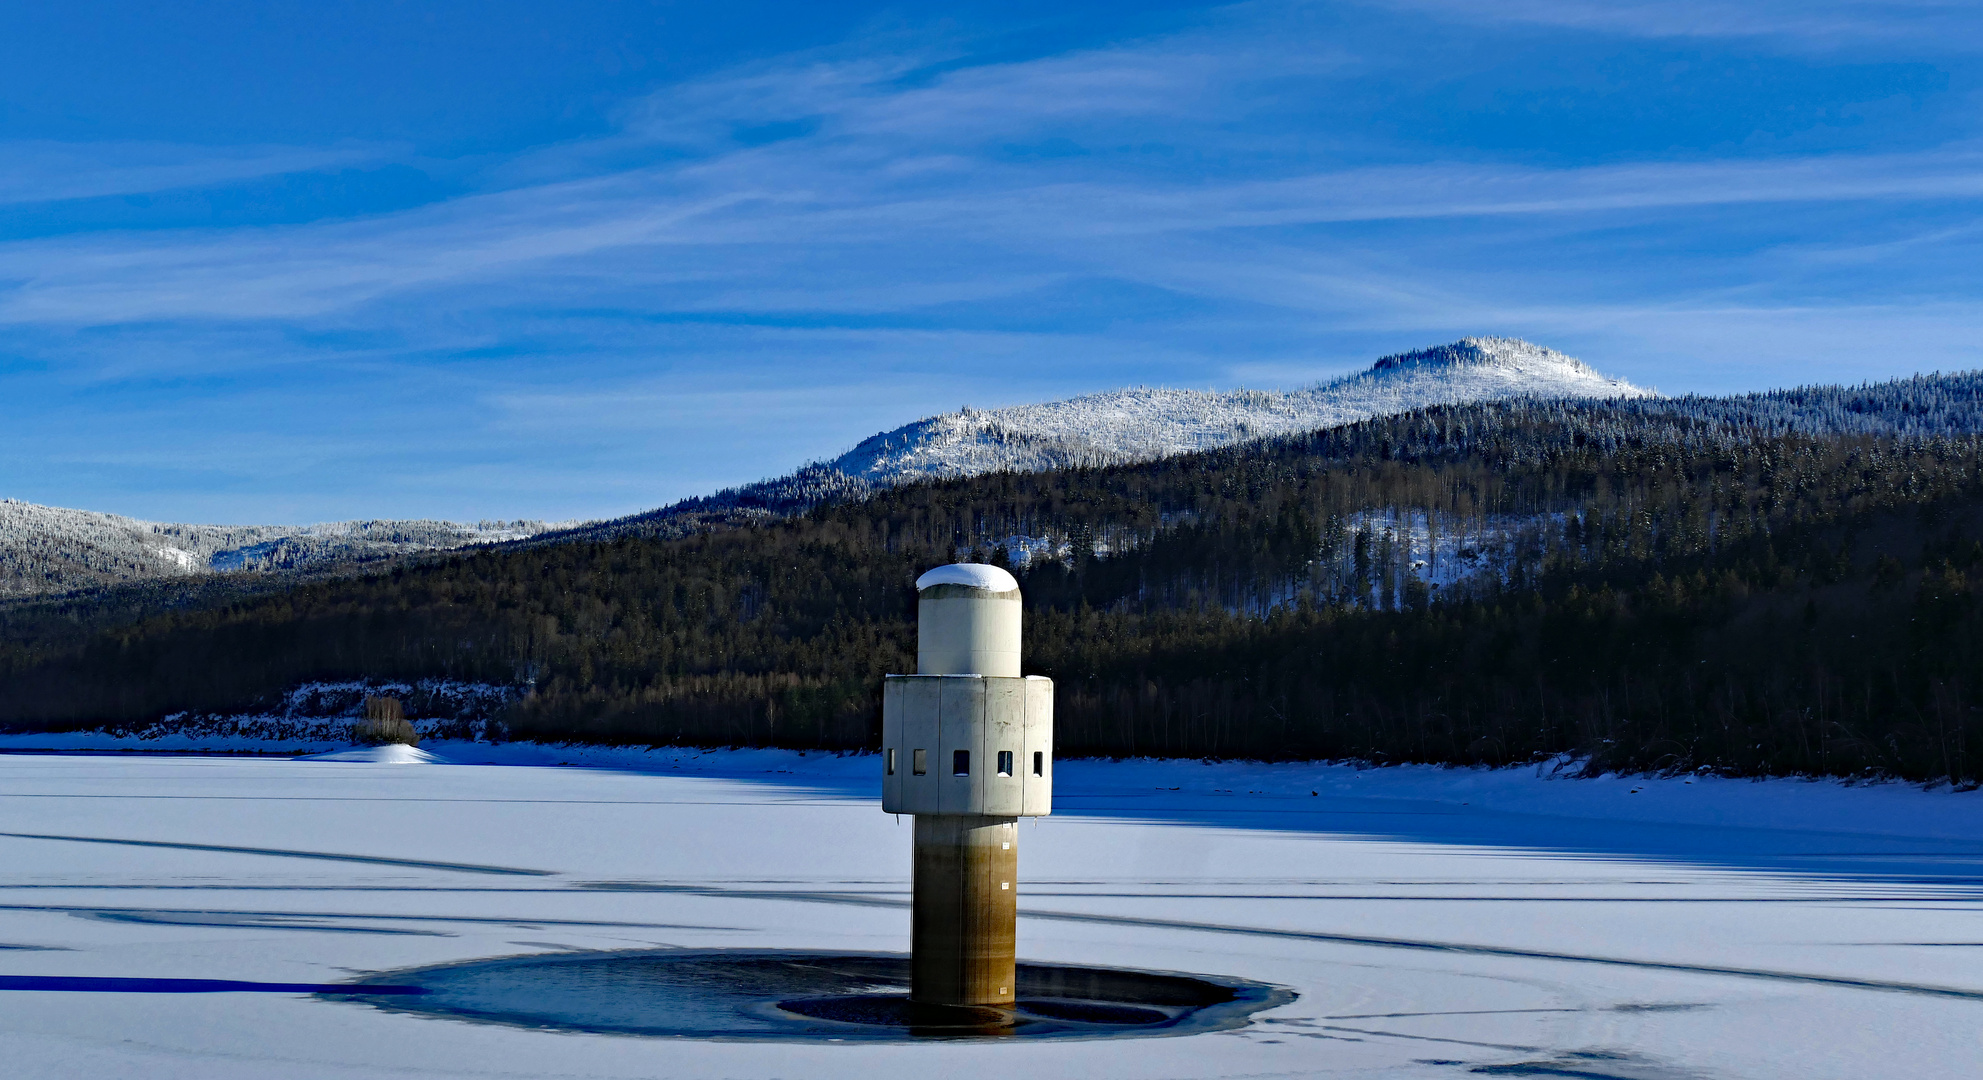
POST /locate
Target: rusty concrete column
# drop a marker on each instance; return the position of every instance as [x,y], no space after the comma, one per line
[966,910]
[967,746]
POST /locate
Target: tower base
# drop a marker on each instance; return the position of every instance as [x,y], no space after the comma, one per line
[966,904]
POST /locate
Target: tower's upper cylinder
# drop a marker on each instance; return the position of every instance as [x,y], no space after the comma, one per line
[967,621]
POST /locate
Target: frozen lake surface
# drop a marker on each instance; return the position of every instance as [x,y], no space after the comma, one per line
[1436,923]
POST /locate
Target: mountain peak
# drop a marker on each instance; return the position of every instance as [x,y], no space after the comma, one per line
[1140,423]
[1502,352]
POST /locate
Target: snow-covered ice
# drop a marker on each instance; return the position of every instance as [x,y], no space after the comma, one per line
[1434,922]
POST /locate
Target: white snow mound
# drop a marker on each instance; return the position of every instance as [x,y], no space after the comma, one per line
[390,754]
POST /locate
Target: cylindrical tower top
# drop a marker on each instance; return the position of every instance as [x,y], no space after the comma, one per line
[967,621]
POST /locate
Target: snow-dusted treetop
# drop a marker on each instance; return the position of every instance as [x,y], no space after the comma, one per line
[1142,423]
[975,575]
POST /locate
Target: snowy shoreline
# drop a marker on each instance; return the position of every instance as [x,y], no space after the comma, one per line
[1257,791]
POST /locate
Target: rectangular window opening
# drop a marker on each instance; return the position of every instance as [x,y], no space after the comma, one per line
[1039,763]
[960,763]
[891,761]
[1005,763]
[919,762]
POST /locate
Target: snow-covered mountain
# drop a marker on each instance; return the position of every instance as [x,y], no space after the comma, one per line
[46,549]
[1143,423]
[1135,425]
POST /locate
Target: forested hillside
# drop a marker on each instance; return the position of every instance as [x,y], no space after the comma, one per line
[51,549]
[1776,583]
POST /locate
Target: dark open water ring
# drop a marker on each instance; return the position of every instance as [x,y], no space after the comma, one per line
[803,996]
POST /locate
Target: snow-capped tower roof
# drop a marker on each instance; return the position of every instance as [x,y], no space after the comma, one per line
[974,575]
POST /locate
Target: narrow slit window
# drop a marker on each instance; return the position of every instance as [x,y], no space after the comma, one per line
[919,762]
[1039,763]
[1005,763]
[891,761]
[960,763]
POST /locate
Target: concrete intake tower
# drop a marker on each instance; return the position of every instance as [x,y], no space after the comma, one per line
[967,747]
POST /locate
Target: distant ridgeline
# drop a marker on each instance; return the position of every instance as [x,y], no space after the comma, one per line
[1772,583]
[48,550]
[1121,427]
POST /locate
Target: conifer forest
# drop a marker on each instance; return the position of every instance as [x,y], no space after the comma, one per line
[1772,584]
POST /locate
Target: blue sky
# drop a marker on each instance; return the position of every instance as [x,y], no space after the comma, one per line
[306,261]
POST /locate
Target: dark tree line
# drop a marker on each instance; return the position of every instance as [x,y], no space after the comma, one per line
[1771,584]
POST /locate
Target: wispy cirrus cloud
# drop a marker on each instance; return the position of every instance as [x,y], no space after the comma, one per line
[1934,25]
[697,226]
[46,171]
[836,241]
